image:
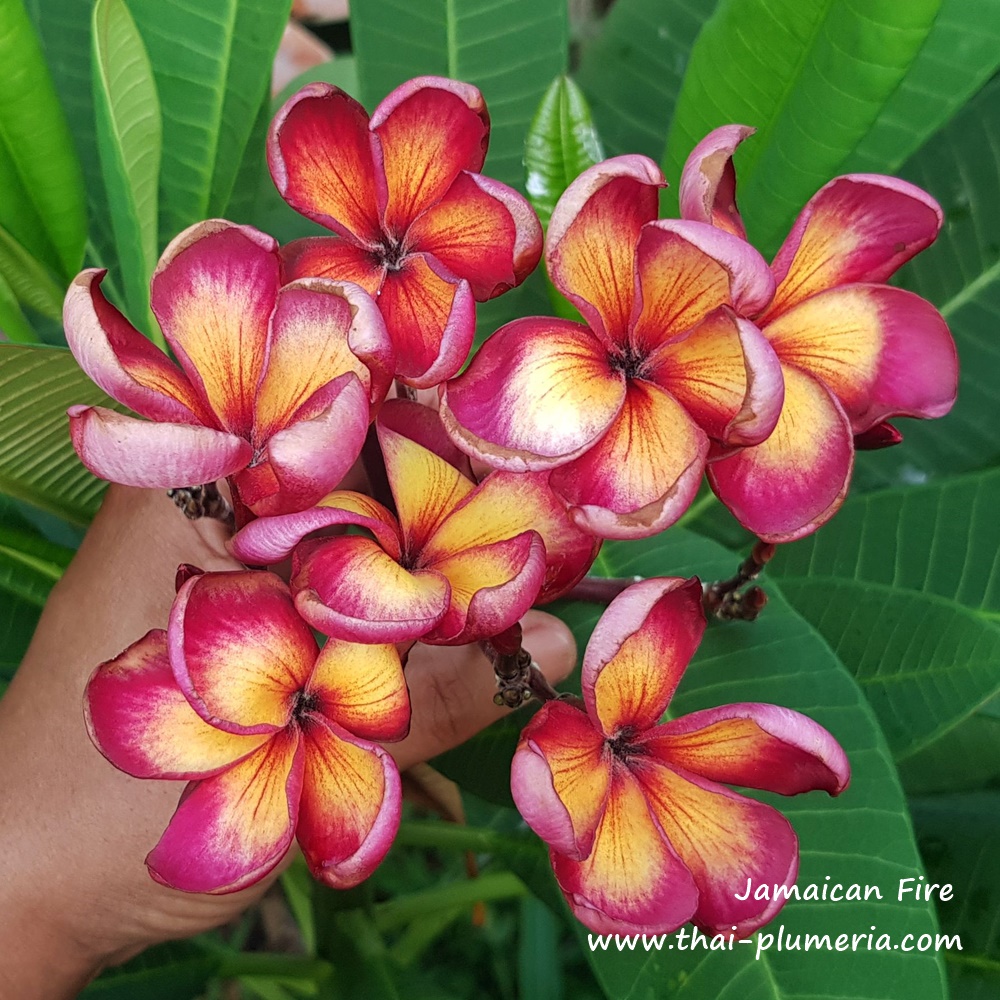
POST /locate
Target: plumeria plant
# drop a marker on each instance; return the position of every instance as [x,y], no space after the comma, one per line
[426,388]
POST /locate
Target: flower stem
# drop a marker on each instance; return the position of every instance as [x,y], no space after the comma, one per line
[517,675]
[723,598]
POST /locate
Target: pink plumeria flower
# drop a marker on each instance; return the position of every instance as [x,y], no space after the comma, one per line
[461,562]
[274,735]
[623,409]
[275,389]
[417,226]
[853,350]
[642,835]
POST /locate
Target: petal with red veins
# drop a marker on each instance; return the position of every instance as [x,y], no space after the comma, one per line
[537,394]
[686,270]
[351,804]
[239,650]
[882,351]
[213,292]
[708,180]
[639,651]
[643,474]
[350,588]
[860,227]
[592,237]
[230,830]
[140,720]
[156,455]
[632,882]
[423,424]
[754,745]
[723,839]
[560,778]
[790,484]
[331,257]
[361,688]
[726,375]
[424,134]
[122,361]
[319,153]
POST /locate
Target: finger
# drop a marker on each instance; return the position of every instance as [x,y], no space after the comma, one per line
[452,687]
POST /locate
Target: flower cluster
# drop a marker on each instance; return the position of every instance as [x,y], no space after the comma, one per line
[693,356]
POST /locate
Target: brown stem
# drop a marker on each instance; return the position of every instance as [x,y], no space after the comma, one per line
[374,463]
[724,599]
[517,675]
[601,590]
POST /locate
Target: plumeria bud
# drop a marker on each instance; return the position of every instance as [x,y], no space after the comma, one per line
[882,435]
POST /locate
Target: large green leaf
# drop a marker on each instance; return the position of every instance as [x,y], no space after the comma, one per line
[510,49]
[36,148]
[13,325]
[29,563]
[37,460]
[29,280]
[905,586]
[632,71]
[130,140]
[811,77]
[18,618]
[975,742]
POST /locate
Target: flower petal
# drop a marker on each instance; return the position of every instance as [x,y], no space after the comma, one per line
[686,270]
[332,257]
[708,180]
[882,351]
[140,720]
[239,650]
[424,134]
[592,237]
[230,830]
[790,484]
[726,375]
[157,455]
[754,745]
[122,361]
[860,227]
[483,231]
[361,688]
[723,839]
[632,881]
[350,588]
[213,292]
[319,153]
[643,474]
[537,394]
[639,651]
[560,778]
[351,804]
[423,424]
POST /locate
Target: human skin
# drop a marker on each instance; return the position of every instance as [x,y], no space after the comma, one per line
[75,895]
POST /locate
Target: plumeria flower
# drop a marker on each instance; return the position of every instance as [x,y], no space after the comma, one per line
[642,835]
[461,561]
[853,350]
[274,735]
[276,385]
[624,409]
[417,226]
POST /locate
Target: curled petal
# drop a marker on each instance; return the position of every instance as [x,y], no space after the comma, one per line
[423,425]
[424,134]
[639,651]
[881,435]
[122,361]
[319,153]
[538,393]
[643,474]
[230,830]
[351,804]
[708,180]
[860,227]
[790,484]
[239,650]
[156,455]
[592,237]
[560,778]
[213,292]
[140,720]
[332,257]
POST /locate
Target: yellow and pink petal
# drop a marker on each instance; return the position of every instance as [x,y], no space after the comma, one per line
[332,257]
[708,180]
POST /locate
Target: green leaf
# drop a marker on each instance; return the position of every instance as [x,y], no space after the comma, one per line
[632,71]
[905,586]
[13,326]
[29,563]
[130,139]
[37,460]
[811,77]
[28,278]
[18,618]
[38,148]
[975,742]
[510,49]
[538,965]
[178,970]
